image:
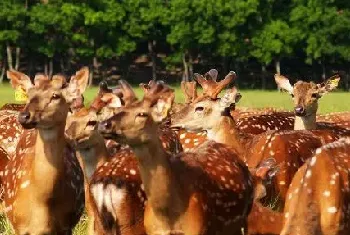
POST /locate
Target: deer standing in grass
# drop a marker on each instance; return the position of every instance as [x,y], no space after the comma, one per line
[114,193]
[187,193]
[44,190]
[289,147]
[319,196]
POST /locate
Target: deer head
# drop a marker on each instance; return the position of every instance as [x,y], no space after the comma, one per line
[306,94]
[135,124]
[81,129]
[48,100]
[204,114]
[263,175]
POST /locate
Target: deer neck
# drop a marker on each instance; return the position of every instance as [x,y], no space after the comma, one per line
[227,133]
[49,157]
[93,157]
[164,194]
[305,123]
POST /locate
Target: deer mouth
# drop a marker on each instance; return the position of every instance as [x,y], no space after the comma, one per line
[29,125]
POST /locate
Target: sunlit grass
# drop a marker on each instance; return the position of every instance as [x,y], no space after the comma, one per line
[332,102]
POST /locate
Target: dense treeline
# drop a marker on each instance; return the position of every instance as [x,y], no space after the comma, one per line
[170,39]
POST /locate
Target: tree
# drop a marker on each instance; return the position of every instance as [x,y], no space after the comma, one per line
[321,24]
[143,22]
[12,30]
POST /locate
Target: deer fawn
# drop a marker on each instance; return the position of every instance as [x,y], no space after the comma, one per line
[289,147]
[187,193]
[44,170]
[318,198]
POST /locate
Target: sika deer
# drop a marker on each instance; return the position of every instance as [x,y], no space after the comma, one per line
[116,197]
[290,147]
[263,220]
[10,128]
[341,119]
[305,96]
[208,191]
[45,171]
[318,198]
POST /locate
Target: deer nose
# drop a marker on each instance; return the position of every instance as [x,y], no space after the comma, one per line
[299,110]
[105,126]
[23,117]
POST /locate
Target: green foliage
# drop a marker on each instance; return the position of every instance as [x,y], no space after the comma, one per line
[206,30]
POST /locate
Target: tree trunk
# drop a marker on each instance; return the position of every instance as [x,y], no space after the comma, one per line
[190,67]
[224,65]
[62,65]
[185,72]
[18,55]
[278,66]
[347,81]
[263,77]
[46,68]
[323,70]
[3,68]
[92,70]
[9,56]
[152,54]
[31,65]
[50,67]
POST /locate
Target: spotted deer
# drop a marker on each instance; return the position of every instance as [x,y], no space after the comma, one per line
[318,198]
[289,147]
[10,128]
[116,195]
[13,106]
[208,191]
[341,119]
[305,96]
[44,170]
[264,220]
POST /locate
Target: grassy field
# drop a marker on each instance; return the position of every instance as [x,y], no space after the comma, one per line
[333,102]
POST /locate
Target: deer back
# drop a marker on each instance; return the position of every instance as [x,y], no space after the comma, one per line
[319,191]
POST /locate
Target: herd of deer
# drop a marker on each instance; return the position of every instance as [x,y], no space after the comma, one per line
[152,166]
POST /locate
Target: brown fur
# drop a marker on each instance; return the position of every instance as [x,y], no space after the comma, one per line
[185,196]
[44,170]
[318,199]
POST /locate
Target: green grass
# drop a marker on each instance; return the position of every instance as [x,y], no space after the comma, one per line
[332,102]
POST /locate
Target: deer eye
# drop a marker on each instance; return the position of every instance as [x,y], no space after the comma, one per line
[142,114]
[292,95]
[55,96]
[199,109]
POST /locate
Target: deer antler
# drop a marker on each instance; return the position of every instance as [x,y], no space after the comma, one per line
[190,91]
[157,90]
[211,87]
[125,92]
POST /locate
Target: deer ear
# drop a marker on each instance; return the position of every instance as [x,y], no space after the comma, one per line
[267,169]
[78,83]
[329,85]
[112,100]
[161,108]
[19,80]
[283,83]
[231,96]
